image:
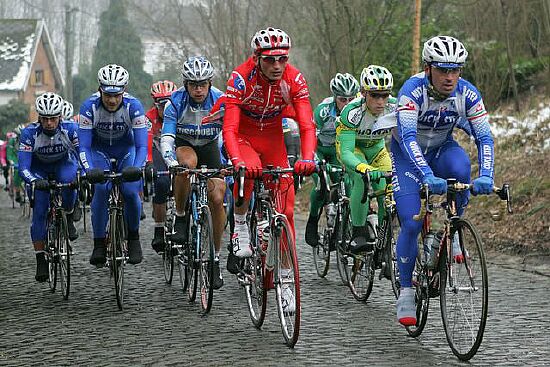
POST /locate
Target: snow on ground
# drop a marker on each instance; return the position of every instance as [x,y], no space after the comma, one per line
[535,122]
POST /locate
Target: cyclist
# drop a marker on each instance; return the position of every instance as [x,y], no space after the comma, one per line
[431,103]
[189,140]
[12,157]
[68,111]
[4,162]
[344,88]
[160,92]
[49,148]
[257,93]
[112,124]
[361,147]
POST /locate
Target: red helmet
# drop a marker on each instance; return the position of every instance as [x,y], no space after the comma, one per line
[163,89]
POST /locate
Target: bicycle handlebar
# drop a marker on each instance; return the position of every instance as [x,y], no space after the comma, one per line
[367,181]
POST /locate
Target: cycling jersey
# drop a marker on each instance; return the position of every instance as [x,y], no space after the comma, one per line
[3,146]
[112,131]
[154,128]
[254,104]
[425,124]
[183,119]
[325,119]
[40,150]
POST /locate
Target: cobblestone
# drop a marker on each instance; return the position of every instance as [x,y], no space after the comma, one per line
[159,327]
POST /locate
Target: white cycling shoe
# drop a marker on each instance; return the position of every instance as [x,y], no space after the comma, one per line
[241,241]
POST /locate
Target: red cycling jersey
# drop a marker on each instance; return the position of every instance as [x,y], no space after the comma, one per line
[253,104]
[154,132]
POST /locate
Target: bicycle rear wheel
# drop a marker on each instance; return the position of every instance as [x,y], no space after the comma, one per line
[51,256]
[391,227]
[464,292]
[420,281]
[287,280]
[64,256]
[118,254]
[343,238]
[206,251]
[321,252]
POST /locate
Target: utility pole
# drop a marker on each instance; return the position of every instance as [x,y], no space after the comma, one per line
[69,50]
[416,38]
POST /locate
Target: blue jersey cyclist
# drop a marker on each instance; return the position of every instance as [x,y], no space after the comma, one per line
[431,104]
[112,125]
[190,137]
[48,149]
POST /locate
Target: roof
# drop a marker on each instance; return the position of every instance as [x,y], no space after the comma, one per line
[19,40]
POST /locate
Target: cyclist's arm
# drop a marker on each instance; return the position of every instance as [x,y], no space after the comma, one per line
[150,142]
[139,128]
[168,135]
[234,94]
[25,157]
[479,126]
[85,134]
[345,146]
[407,119]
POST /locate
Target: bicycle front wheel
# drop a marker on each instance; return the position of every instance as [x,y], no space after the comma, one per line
[51,256]
[287,280]
[252,277]
[63,250]
[343,238]
[362,276]
[118,253]
[321,252]
[421,281]
[192,268]
[464,291]
[206,250]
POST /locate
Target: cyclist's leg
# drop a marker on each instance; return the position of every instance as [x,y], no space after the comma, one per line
[381,161]
[162,186]
[38,227]
[453,162]
[359,211]
[315,204]
[186,156]
[17,185]
[100,213]
[66,173]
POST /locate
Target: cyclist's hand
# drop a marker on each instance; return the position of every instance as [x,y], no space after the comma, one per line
[376,175]
[363,167]
[304,167]
[42,185]
[483,185]
[253,172]
[436,185]
[95,175]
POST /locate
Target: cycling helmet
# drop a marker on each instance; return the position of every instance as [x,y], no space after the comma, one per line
[49,105]
[344,85]
[444,52]
[271,41]
[374,78]
[196,69]
[67,110]
[162,89]
[112,78]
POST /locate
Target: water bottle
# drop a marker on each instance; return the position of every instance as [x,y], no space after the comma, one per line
[372,219]
[431,250]
[261,227]
[331,214]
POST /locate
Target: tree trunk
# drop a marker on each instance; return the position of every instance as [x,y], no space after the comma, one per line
[509,54]
[416,38]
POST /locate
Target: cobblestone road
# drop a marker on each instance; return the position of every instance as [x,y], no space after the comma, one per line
[159,327]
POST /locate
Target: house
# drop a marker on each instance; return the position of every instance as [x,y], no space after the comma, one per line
[28,66]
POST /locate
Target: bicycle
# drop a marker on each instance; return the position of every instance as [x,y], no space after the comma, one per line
[383,256]
[273,249]
[117,250]
[58,246]
[196,259]
[449,275]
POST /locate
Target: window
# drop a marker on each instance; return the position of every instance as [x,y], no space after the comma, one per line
[38,77]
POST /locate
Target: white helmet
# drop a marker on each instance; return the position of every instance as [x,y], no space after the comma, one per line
[49,105]
[444,51]
[272,40]
[344,85]
[112,78]
[67,110]
[197,68]
[375,77]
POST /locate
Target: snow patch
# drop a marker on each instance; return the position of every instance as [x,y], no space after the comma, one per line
[536,122]
[9,51]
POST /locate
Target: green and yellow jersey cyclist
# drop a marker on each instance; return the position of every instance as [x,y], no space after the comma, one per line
[360,146]
[344,88]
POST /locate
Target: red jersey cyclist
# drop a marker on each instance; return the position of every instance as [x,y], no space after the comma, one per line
[257,93]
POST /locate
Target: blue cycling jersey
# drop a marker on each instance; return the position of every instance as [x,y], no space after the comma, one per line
[38,149]
[425,123]
[100,129]
[183,119]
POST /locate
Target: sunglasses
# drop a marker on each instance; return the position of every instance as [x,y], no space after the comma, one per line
[161,102]
[345,99]
[197,85]
[271,59]
[375,95]
[448,70]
